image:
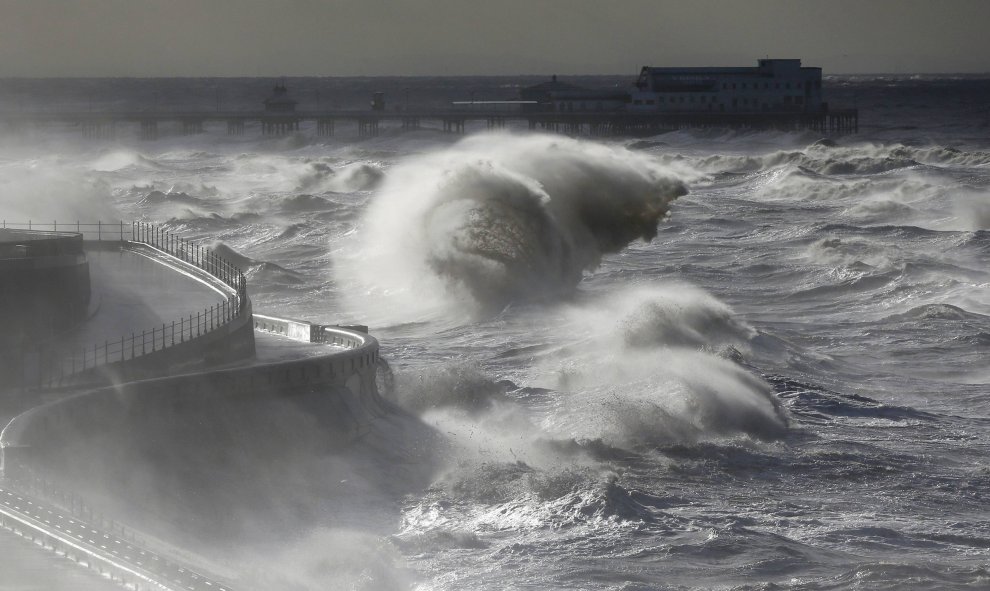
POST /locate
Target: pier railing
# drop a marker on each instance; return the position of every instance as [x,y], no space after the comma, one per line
[58,365]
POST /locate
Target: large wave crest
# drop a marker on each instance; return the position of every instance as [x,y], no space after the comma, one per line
[499,218]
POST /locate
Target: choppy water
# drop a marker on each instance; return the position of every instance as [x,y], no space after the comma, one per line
[784,386]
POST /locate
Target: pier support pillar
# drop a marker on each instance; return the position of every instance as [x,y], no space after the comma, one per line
[453,125]
[149,129]
[235,127]
[99,129]
[325,127]
[368,127]
[192,126]
[280,126]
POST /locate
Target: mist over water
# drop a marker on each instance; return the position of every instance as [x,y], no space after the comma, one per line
[702,359]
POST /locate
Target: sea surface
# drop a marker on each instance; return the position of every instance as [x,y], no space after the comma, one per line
[705,359]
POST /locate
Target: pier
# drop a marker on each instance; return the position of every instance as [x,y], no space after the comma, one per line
[370,123]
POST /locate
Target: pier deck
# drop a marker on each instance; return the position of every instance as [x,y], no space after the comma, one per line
[370,123]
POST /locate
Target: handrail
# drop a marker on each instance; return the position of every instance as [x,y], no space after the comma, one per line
[60,367]
[103,231]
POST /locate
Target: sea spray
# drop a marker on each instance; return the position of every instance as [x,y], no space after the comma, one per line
[656,364]
[498,219]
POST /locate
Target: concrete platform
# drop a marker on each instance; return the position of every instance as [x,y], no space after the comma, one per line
[132,292]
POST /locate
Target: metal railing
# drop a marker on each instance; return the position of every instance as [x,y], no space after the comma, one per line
[99,231]
[57,365]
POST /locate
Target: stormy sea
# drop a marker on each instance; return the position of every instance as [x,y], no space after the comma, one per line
[705,359]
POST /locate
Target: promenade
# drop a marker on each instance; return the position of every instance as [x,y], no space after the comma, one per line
[168,343]
[107,551]
[132,292]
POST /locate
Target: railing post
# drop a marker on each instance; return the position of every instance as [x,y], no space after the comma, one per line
[143,350]
[163,335]
[173,332]
[132,345]
[198,324]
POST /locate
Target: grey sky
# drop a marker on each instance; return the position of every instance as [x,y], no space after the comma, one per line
[416,37]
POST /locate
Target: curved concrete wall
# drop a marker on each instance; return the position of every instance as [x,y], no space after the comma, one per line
[349,372]
[196,444]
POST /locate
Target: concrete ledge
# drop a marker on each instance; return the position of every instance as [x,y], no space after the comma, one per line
[294,329]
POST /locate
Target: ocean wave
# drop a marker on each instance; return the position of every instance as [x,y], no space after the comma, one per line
[832,159]
[809,402]
[658,365]
[936,312]
[501,218]
[159,197]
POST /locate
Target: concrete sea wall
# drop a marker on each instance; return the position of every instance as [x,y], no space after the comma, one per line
[206,446]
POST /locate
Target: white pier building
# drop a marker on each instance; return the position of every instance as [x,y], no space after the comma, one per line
[774,86]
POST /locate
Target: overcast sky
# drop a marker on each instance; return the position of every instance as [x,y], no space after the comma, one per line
[417,37]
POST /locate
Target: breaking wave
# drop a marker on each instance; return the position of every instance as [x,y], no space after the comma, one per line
[500,218]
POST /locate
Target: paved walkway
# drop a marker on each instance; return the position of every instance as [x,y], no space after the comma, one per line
[82,539]
[132,293]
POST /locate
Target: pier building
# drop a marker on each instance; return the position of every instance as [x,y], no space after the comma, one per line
[279,101]
[774,85]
